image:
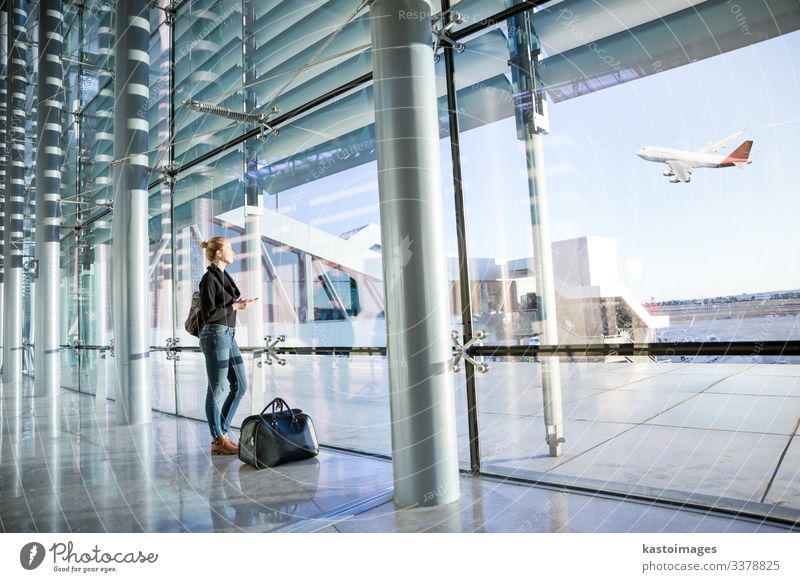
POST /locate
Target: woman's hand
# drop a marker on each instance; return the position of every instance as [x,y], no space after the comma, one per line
[242,303]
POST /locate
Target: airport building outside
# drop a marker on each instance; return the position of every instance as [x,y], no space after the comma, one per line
[615,331]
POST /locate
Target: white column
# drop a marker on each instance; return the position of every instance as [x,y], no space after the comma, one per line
[424,448]
[15,188]
[130,241]
[47,313]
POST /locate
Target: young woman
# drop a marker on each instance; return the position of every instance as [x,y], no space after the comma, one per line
[220,299]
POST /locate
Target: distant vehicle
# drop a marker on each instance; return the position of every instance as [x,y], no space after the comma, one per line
[712,338]
[681,163]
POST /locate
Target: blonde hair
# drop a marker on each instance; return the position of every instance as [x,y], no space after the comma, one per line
[213,245]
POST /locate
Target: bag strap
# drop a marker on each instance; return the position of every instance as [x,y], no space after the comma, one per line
[277,405]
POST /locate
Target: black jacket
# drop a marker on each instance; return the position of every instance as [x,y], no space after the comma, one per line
[218,293]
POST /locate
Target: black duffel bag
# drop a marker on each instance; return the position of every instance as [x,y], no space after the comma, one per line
[280,436]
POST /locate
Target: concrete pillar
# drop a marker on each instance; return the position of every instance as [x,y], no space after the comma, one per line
[424,448]
[130,241]
[15,190]
[47,362]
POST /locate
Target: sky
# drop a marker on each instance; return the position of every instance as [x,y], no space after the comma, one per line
[728,231]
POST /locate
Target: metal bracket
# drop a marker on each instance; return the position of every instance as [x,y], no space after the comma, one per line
[441,30]
[270,352]
[266,129]
[111,347]
[169,172]
[260,119]
[554,437]
[76,347]
[170,13]
[460,352]
[172,353]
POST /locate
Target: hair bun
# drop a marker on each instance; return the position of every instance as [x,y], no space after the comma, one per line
[203,244]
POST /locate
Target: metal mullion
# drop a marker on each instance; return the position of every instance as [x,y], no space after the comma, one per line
[288,351]
[248,95]
[170,163]
[772,348]
[461,236]
[79,142]
[101,214]
[280,120]
[495,19]
[738,348]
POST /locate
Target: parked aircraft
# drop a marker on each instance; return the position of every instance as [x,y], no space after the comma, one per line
[681,163]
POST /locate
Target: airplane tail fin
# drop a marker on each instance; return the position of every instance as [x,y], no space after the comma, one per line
[740,155]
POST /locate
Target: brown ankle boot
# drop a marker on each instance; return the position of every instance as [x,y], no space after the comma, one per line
[223,446]
[230,440]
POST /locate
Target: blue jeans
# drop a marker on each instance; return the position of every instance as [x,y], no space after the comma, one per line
[225,369]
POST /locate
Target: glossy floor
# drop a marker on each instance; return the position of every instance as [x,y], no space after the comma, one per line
[65,466]
[716,432]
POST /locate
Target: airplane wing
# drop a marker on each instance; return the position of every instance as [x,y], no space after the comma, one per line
[682,171]
[717,145]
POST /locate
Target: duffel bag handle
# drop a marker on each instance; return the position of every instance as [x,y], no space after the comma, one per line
[279,404]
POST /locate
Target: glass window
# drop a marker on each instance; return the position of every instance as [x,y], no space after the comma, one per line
[302,51]
[159,103]
[208,67]
[638,255]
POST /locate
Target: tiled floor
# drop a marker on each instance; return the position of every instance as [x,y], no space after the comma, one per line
[65,466]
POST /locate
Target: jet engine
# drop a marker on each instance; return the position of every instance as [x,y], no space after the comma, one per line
[674,179]
[667,173]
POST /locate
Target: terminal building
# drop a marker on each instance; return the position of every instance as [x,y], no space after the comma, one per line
[464,274]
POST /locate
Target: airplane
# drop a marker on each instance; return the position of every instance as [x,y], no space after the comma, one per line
[682,162]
